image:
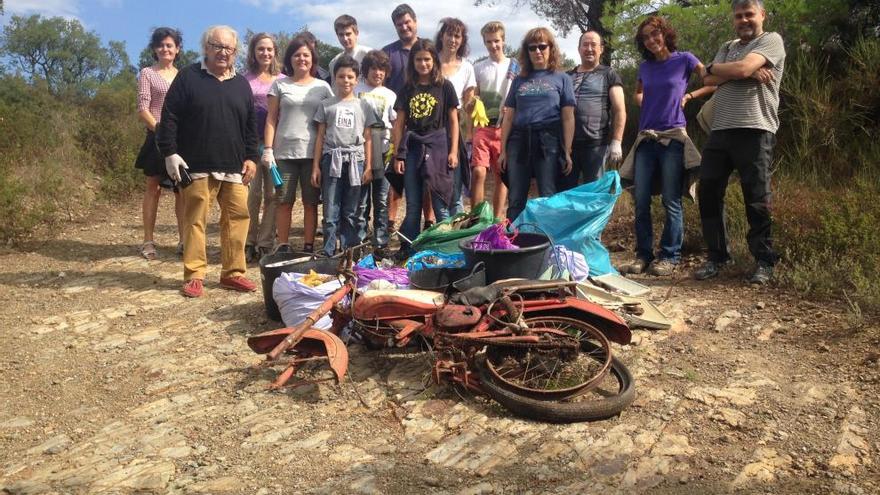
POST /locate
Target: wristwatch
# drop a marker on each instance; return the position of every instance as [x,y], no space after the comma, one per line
[709,68]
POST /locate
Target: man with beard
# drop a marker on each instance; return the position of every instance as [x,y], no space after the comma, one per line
[748,73]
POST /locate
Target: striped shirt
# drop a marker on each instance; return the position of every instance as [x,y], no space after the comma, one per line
[152,88]
[748,103]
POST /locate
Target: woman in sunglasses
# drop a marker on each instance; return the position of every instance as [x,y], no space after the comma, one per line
[538,126]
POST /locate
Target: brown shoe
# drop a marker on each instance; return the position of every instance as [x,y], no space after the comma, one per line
[193,288]
[636,266]
[661,268]
[240,284]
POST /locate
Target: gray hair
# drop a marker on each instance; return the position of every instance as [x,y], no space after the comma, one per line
[209,33]
[735,4]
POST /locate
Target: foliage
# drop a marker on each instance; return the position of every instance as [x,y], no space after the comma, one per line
[61,53]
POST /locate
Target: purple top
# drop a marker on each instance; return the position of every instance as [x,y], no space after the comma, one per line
[261,105]
[663,86]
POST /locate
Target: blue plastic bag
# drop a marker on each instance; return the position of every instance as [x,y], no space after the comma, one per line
[576,219]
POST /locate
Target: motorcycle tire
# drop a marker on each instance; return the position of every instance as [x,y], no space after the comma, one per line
[553,411]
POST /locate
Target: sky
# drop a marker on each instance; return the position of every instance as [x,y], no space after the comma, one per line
[132,21]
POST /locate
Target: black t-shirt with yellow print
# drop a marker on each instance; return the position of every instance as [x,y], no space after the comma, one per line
[427,106]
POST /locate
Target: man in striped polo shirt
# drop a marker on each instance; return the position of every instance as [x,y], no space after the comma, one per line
[748,73]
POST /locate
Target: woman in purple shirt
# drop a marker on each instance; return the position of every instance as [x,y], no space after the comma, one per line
[661,93]
[263,69]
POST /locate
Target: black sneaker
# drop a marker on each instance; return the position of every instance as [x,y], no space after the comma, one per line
[708,270]
[308,248]
[763,273]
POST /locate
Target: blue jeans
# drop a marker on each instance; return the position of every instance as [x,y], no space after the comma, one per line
[531,153]
[413,186]
[341,201]
[374,194]
[653,159]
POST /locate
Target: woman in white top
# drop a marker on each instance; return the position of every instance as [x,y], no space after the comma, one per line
[452,47]
[290,137]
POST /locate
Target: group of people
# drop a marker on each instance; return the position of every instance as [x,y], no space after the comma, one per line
[417,120]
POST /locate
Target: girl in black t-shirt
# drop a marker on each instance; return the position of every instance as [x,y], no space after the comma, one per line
[427,152]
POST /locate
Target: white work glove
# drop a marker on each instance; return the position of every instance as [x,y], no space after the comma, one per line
[268,157]
[172,166]
[615,152]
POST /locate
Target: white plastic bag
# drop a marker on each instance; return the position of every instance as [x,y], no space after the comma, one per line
[296,300]
[573,265]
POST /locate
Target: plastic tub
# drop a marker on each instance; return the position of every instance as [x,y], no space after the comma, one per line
[439,279]
[273,265]
[529,261]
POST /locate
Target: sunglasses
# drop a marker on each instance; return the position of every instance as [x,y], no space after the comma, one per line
[540,46]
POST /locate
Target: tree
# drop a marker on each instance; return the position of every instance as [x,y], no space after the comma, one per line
[566,15]
[61,53]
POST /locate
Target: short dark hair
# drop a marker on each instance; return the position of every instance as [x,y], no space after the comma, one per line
[346,61]
[412,77]
[159,35]
[308,36]
[345,21]
[402,10]
[376,59]
[295,44]
[669,35]
[452,25]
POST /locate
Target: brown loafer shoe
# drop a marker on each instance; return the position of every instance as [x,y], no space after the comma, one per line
[193,288]
[240,284]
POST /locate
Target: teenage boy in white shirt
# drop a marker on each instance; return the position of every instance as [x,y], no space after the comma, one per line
[346,28]
[494,76]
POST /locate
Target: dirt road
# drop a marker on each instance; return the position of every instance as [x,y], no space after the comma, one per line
[111,382]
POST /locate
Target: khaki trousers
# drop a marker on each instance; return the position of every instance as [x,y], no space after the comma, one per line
[234,223]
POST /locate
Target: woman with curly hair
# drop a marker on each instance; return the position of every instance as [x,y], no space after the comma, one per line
[662,151]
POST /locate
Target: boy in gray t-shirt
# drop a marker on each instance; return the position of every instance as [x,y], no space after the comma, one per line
[341,149]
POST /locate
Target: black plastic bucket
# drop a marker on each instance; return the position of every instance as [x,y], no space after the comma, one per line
[268,274]
[439,279]
[529,261]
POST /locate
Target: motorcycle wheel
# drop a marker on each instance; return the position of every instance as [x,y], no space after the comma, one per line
[613,394]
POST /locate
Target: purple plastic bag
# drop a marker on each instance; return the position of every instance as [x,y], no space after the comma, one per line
[493,237]
[396,275]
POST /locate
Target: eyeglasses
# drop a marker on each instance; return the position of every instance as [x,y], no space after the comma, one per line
[540,46]
[217,47]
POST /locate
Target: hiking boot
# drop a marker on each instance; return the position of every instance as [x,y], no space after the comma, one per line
[239,283]
[661,268]
[763,273]
[634,267]
[708,270]
[193,288]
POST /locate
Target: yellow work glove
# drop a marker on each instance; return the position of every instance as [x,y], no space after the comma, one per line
[389,155]
[479,114]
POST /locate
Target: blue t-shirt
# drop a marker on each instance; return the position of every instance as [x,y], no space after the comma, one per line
[539,97]
[663,86]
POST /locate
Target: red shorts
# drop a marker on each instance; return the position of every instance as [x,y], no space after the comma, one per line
[486,148]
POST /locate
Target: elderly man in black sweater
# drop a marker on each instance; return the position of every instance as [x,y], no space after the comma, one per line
[209,129]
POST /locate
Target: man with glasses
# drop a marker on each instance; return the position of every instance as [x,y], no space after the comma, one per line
[208,133]
[748,73]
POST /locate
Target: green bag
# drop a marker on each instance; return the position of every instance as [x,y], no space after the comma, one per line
[445,236]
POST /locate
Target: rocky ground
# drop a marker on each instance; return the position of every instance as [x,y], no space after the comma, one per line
[111,382]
